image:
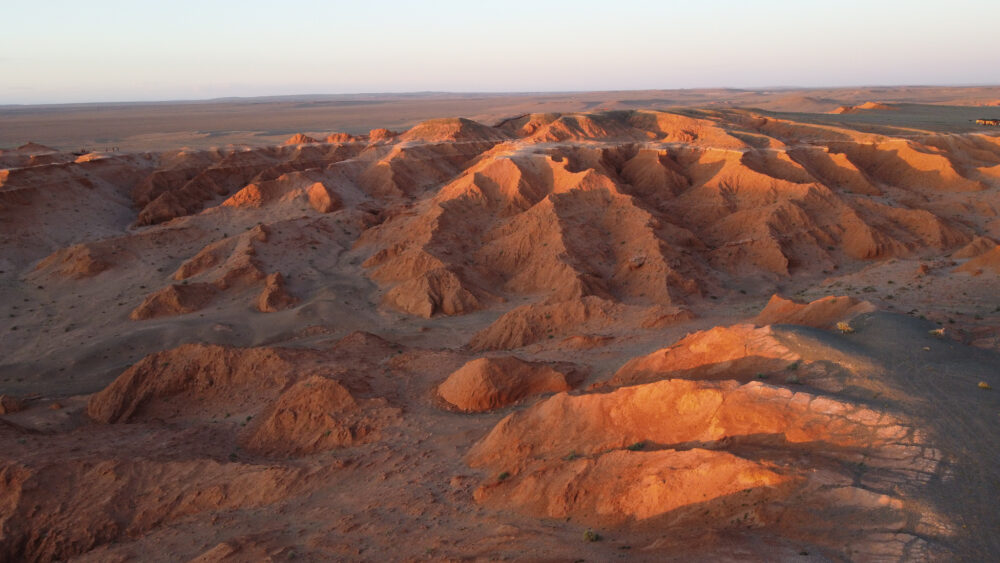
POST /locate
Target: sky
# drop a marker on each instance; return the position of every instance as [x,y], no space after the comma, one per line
[62,52]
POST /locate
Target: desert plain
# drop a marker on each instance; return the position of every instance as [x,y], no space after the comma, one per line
[717,325]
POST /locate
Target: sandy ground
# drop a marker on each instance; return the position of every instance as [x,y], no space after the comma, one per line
[552,337]
[262,121]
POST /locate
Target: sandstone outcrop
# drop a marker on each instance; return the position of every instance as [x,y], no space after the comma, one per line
[494,382]
[274,297]
[825,312]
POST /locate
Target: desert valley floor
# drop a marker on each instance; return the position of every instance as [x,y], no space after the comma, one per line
[617,331]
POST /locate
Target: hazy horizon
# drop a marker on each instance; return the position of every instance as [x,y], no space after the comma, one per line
[432,93]
[122,51]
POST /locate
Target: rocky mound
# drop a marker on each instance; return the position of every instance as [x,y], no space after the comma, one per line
[76,262]
[436,291]
[124,498]
[257,195]
[194,380]
[490,383]
[539,322]
[300,139]
[341,138]
[867,106]
[825,312]
[228,250]
[175,299]
[737,352]
[453,129]
[988,261]
[240,270]
[532,323]
[381,134]
[274,297]
[702,411]
[288,188]
[317,414]
[638,486]
[611,458]
[227,264]
[978,246]
[323,199]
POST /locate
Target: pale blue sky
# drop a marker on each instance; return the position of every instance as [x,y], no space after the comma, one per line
[55,51]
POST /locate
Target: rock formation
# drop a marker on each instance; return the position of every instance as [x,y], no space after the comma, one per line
[490,383]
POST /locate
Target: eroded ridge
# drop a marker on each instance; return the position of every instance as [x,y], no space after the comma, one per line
[699,333]
[712,456]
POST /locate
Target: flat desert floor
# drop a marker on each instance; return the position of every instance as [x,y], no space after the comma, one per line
[670,325]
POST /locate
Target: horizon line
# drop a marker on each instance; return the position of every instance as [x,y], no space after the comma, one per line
[483,93]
